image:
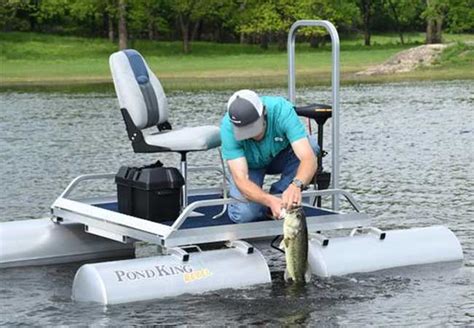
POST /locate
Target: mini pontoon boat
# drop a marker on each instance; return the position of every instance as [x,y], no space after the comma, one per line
[202,250]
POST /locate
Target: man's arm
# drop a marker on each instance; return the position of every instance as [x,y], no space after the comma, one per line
[306,170]
[239,170]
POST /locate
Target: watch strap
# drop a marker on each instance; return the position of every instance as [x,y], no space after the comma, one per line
[297,182]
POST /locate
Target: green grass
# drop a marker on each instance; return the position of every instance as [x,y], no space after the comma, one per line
[41,60]
[459,55]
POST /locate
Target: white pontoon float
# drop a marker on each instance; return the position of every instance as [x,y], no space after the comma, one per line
[202,249]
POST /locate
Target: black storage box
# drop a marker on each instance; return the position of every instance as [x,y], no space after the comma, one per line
[151,192]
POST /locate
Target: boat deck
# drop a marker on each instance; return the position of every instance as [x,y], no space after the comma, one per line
[206,214]
[195,224]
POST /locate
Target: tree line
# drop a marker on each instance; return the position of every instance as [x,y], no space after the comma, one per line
[245,21]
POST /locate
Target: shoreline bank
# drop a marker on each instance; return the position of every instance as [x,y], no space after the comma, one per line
[172,84]
[49,63]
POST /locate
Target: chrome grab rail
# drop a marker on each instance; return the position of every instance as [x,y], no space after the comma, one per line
[73,184]
[335,81]
[213,202]
[161,230]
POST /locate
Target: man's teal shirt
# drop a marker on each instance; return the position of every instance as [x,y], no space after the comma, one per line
[283,128]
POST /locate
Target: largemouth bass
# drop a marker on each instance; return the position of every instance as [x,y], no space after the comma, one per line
[295,244]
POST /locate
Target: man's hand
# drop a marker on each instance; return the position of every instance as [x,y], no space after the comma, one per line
[291,197]
[275,205]
[251,191]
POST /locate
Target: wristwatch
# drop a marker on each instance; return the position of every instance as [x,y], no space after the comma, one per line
[300,184]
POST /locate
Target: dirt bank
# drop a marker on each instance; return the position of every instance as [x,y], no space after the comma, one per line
[407,60]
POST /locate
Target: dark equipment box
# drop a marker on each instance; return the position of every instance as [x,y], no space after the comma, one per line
[151,192]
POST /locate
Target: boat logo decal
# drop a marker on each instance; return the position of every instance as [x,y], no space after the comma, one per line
[196,275]
[156,272]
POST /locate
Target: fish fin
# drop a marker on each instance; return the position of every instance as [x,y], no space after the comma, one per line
[307,275]
[286,275]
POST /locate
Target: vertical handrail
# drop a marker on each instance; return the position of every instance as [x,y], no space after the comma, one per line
[335,80]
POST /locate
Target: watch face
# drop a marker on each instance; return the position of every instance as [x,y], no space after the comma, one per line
[298,183]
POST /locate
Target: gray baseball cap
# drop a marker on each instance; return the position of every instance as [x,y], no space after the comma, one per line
[246,114]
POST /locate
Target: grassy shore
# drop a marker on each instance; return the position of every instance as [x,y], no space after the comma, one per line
[36,60]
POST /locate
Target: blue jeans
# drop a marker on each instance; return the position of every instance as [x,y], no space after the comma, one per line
[285,163]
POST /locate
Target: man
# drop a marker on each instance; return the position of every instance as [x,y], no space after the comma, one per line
[265,136]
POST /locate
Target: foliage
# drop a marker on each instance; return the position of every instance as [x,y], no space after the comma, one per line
[459,54]
[16,15]
[149,17]
[190,13]
[251,21]
[406,10]
[460,16]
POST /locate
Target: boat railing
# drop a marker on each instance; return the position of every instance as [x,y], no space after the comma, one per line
[335,81]
[84,177]
[119,226]
[186,213]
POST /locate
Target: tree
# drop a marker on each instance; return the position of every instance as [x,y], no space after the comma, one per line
[149,17]
[264,19]
[189,14]
[258,19]
[53,11]
[366,8]
[219,17]
[122,25]
[111,13]
[91,17]
[18,15]
[434,21]
[460,16]
[339,12]
[96,13]
[403,12]
[457,15]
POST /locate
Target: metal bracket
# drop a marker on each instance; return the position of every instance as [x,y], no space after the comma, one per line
[107,234]
[320,238]
[179,253]
[56,220]
[241,245]
[369,230]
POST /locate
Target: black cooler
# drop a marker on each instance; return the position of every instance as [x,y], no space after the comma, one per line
[151,192]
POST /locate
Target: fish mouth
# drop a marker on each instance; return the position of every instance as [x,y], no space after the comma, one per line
[295,209]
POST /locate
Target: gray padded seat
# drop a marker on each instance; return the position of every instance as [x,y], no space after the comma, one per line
[186,139]
[140,93]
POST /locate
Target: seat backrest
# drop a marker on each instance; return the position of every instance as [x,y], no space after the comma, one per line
[138,90]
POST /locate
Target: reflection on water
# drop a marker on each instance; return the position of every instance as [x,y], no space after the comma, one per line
[406,154]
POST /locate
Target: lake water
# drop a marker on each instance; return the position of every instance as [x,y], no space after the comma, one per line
[407,153]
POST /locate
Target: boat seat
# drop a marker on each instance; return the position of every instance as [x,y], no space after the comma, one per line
[145,112]
[186,139]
